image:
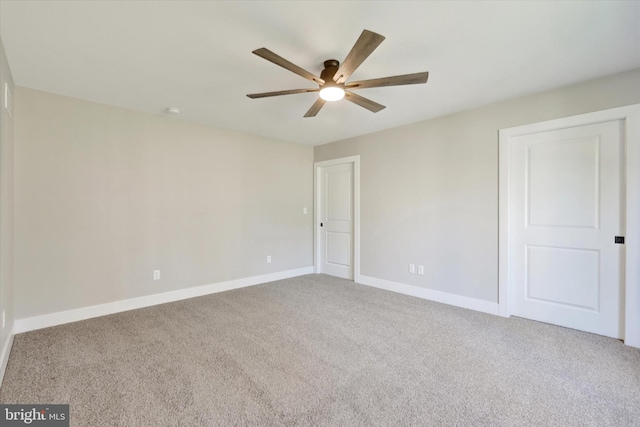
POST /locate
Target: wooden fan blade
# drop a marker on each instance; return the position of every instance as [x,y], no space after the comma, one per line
[280,92]
[363,102]
[366,43]
[406,79]
[315,108]
[278,60]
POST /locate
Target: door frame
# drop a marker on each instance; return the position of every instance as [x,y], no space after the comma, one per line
[317,168]
[630,117]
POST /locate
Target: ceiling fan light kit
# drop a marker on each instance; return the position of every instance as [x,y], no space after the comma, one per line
[332,83]
[330,92]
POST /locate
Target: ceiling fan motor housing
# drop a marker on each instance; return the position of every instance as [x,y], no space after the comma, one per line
[330,68]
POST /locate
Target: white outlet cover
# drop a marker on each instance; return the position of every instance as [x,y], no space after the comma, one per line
[412,268]
[421,270]
[268,259]
[304,211]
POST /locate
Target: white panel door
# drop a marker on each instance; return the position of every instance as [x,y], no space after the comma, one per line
[336,217]
[566,192]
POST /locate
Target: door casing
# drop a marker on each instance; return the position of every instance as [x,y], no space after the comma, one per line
[630,117]
[317,167]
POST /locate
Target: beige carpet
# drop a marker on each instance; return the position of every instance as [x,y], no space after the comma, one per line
[316,350]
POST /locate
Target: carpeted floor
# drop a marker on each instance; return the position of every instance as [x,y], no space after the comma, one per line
[317,350]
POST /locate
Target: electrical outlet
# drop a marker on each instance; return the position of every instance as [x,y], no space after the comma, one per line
[268,259]
[156,274]
[412,268]
[304,211]
[421,270]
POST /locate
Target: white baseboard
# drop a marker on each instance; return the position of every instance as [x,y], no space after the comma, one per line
[430,294]
[54,319]
[4,357]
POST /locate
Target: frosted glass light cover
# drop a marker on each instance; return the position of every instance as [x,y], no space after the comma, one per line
[332,93]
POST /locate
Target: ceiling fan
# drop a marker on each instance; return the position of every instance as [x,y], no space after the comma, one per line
[332,83]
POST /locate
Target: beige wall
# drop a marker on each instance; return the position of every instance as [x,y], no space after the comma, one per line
[105,195]
[429,191]
[6,202]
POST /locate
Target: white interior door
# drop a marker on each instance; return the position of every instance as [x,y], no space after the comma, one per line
[336,218]
[566,207]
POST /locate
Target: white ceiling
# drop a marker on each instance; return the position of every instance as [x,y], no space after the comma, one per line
[196,55]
